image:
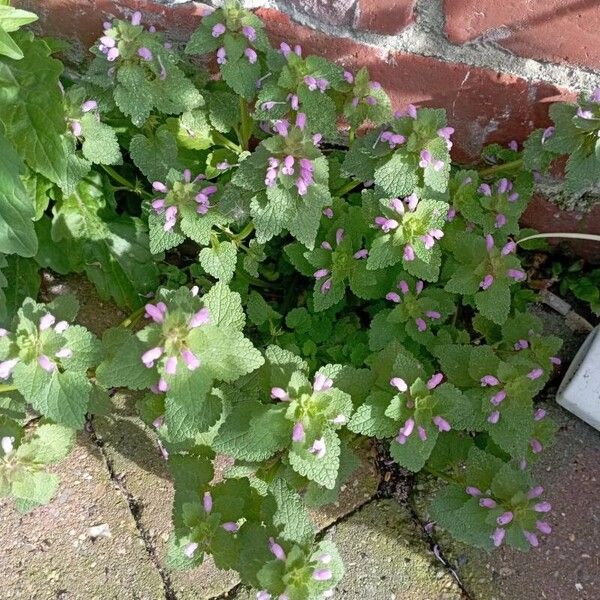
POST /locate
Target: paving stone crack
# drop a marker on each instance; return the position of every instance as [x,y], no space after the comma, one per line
[135,508]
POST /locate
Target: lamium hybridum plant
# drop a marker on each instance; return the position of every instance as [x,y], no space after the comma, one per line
[304,268]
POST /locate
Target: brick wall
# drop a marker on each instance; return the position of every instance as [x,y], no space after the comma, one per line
[494,65]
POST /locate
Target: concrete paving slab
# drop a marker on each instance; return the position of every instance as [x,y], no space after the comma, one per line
[49,554]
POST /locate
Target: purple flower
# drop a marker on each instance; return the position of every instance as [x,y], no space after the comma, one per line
[6,367]
[405,431]
[47,321]
[513,197]
[434,381]
[393,297]
[494,417]
[294,102]
[221,56]
[473,491]
[548,133]
[421,325]
[322,575]
[318,448]
[348,77]
[516,274]
[218,30]
[158,186]
[46,364]
[555,360]
[433,314]
[409,253]
[488,380]
[543,527]
[301,120]
[136,18]
[498,398]
[249,33]
[298,434]
[326,286]
[412,201]
[108,42]
[584,114]
[276,549]
[281,127]
[422,433]
[89,105]
[326,246]
[531,538]
[207,502]
[500,221]
[411,111]
[399,384]
[288,165]
[112,54]
[485,189]
[426,159]
[451,215]
[371,101]
[284,48]
[192,362]
[441,423]
[76,128]
[445,132]
[508,248]
[230,526]
[319,274]
[505,518]
[498,536]
[170,218]
[489,242]
[171,365]
[155,312]
[385,224]
[190,549]
[151,355]
[251,55]
[535,492]
[363,253]
[487,503]
[202,317]
[539,414]
[322,383]
[278,393]
[158,422]
[328,212]
[486,282]
[311,82]
[536,446]
[535,374]
[145,53]
[542,507]
[263,595]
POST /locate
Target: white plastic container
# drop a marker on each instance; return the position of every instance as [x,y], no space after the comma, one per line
[579,391]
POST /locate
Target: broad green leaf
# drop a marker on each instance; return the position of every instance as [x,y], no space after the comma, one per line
[220,261]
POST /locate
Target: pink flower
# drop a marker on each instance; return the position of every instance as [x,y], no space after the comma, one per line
[486,282]
[251,55]
[535,492]
[218,30]
[409,253]
[363,253]
[494,417]
[531,538]
[322,575]
[136,18]
[399,384]
[489,380]
[46,364]
[202,317]
[473,491]
[151,355]
[435,380]
[207,502]
[322,383]
[221,56]
[542,507]
[498,398]
[487,503]
[190,549]
[393,297]
[535,374]
[6,367]
[230,526]
[89,105]
[543,527]
[145,53]
[190,359]
[441,423]
[318,448]
[249,33]
[278,393]
[298,434]
[276,549]
[320,273]
[498,536]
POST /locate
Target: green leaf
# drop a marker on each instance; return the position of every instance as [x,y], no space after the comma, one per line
[100,143]
[259,311]
[220,261]
[49,444]
[291,514]
[8,46]
[225,307]
[320,470]
[494,303]
[31,108]
[34,489]
[17,234]
[63,397]
[24,277]
[397,177]
[154,156]
[253,432]
[12,18]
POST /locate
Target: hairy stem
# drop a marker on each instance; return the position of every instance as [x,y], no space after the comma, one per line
[509,166]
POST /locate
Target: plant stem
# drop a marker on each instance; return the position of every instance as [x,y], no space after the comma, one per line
[244,233]
[124,182]
[7,388]
[348,187]
[246,124]
[220,139]
[509,166]
[133,318]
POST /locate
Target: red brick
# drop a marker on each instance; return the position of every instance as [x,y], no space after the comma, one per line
[80,22]
[482,105]
[546,217]
[384,16]
[559,31]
